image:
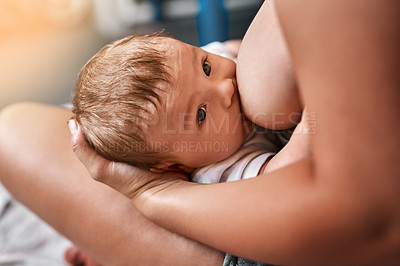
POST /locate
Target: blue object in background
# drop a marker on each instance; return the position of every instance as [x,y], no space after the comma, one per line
[212,22]
[157,5]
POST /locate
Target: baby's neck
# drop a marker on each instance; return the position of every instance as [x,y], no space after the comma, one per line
[248,128]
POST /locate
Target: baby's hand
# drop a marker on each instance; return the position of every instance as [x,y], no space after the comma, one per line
[137,184]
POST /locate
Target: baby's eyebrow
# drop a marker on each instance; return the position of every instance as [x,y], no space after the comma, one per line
[187,126]
[193,61]
[188,109]
[195,54]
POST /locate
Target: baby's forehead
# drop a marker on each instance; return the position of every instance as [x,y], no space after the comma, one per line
[174,49]
[178,55]
[169,46]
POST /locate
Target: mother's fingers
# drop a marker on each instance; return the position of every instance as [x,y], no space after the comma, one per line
[127,179]
[95,164]
[120,176]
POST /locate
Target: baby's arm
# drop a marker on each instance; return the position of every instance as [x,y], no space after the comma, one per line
[268,93]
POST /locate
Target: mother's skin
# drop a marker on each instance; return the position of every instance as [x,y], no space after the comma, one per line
[39,168]
[339,206]
[268,90]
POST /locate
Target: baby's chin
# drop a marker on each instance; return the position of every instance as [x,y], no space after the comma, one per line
[228,147]
[233,145]
[231,148]
[221,153]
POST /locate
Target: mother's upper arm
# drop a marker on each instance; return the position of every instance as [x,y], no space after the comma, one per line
[267,87]
[346,58]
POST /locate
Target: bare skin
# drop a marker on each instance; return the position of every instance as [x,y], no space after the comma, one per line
[75,256]
[64,195]
[271,80]
[330,207]
[339,205]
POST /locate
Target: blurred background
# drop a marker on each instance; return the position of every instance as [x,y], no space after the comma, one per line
[44,43]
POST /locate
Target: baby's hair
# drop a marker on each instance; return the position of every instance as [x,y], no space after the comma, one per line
[116,94]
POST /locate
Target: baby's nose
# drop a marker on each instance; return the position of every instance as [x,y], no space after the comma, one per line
[225,91]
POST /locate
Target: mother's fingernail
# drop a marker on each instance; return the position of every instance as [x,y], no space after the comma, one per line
[73,127]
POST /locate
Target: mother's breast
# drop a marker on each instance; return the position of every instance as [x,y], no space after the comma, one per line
[265,73]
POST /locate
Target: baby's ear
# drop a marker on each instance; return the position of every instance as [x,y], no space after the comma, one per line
[156,170]
[171,167]
[161,167]
[185,169]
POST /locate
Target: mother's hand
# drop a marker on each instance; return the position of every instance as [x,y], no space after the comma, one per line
[135,183]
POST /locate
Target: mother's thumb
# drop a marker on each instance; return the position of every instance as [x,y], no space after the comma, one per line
[80,146]
[78,140]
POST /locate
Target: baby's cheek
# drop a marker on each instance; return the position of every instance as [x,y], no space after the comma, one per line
[231,145]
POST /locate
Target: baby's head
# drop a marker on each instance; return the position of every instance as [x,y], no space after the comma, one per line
[157,103]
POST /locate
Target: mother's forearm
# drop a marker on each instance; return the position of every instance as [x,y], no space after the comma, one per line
[226,217]
[285,217]
[38,167]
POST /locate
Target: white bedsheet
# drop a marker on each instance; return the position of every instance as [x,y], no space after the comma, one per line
[25,239]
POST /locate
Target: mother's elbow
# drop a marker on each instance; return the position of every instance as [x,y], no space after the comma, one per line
[13,120]
[369,213]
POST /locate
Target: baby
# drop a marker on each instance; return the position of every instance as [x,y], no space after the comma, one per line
[159,104]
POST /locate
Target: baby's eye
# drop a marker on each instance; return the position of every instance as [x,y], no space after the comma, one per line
[207,68]
[201,115]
